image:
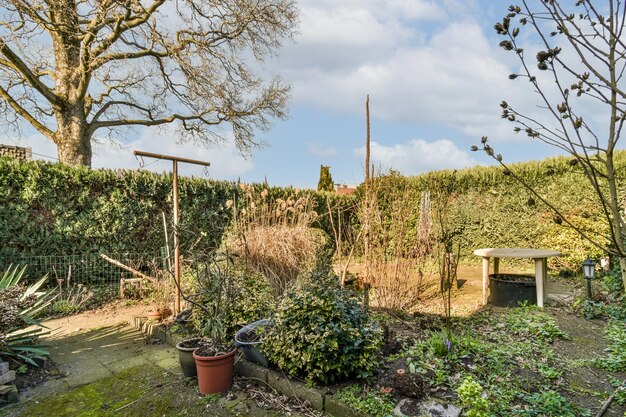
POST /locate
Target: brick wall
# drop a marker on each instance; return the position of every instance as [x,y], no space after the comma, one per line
[17,152]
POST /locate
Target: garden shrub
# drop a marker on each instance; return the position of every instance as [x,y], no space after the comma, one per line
[54,209]
[471,396]
[253,301]
[322,334]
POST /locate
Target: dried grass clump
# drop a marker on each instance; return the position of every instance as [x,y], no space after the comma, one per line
[279,252]
[274,237]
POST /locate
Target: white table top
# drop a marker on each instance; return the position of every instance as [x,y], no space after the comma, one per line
[516,253]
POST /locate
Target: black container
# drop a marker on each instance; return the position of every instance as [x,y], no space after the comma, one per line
[185,356]
[509,290]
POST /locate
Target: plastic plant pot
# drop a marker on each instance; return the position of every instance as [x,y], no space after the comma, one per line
[215,373]
[509,290]
[185,356]
[249,349]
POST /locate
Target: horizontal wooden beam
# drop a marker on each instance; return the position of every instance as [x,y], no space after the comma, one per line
[171,158]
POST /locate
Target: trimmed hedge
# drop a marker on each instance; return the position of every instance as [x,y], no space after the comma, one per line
[498,211]
[54,209]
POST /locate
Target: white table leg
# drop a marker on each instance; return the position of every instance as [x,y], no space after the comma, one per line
[539,280]
[545,280]
[496,265]
[485,280]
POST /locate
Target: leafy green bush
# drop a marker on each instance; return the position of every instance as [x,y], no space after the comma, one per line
[471,396]
[616,351]
[323,334]
[55,209]
[253,301]
[551,404]
[370,403]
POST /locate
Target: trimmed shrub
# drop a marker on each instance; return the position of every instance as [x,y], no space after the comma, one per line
[322,334]
[54,209]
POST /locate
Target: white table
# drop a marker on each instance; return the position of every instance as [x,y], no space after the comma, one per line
[540,257]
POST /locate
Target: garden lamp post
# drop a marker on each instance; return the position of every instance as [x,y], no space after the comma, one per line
[589,270]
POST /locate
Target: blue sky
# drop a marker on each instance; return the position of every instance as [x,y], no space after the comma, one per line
[434,73]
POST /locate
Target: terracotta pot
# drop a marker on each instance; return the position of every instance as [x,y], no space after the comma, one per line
[215,373]
[154,315]
[185,357]
[165,312]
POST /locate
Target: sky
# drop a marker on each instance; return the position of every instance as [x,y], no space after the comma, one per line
[432,68]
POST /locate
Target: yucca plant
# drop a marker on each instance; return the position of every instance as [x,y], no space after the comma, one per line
[19,305]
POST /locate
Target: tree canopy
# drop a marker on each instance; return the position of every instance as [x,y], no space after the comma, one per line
[70,68]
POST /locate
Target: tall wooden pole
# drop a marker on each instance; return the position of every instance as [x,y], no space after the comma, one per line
[176,241]
[367,141]
[175,160]
[367,192]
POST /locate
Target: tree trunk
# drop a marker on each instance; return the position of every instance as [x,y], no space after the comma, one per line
[622,268]
[73,134]
[73,138]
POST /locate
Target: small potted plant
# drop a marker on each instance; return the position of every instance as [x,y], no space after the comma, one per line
[185,355]
[215,357]
[161,300]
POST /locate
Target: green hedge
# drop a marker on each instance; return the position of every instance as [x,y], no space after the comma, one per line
[498,211]
[54,209]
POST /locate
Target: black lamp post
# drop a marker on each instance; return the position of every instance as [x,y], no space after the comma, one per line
[589,270]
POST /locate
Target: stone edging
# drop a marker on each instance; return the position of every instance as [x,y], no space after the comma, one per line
[291,388]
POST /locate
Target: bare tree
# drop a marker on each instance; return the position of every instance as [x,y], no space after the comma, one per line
[72,67]
[578,70]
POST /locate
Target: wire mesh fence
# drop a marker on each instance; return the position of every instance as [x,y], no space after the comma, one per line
[89,269]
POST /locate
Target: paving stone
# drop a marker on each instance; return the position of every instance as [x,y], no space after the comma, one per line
[8,393]
[170,364]
[295,389]
[9,376]
[85,373]
[126,363]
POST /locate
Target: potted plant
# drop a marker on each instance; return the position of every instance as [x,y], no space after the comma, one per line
[215,357]
[185,355]
[161,300]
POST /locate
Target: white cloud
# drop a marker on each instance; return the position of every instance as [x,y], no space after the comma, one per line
[318,149]
[454,79]
[417,155]
[225,160]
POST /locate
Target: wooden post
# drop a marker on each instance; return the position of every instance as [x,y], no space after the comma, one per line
[175,160]
[366,246]
[176,240]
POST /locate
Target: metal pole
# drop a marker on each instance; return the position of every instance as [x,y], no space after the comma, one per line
[176,241]
[588,288]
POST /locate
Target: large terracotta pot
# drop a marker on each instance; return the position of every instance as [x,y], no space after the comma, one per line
[215,373]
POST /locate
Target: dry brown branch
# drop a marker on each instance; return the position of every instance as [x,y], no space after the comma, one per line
[129,269]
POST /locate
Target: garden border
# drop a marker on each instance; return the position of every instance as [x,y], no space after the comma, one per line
[319,400]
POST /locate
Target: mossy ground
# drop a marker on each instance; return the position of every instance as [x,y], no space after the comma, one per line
[141,391]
